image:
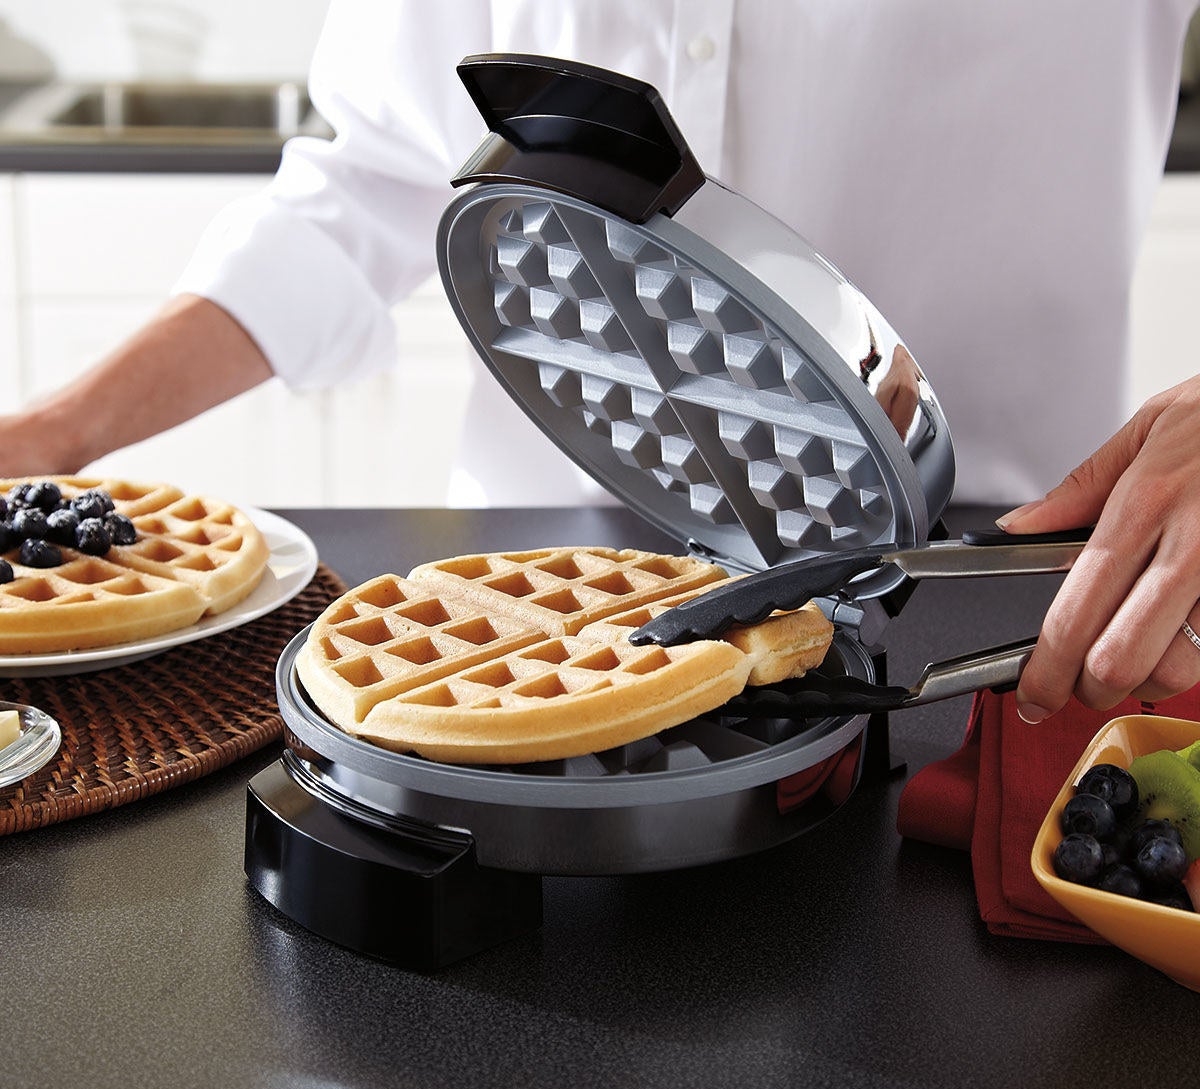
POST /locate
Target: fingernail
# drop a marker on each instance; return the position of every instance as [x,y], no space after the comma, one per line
[1032,713]
[1005,520]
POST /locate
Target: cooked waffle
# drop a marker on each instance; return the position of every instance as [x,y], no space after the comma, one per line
[194,556]
[514,657]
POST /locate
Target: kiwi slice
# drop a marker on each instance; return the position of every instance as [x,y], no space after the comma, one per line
[1192,754]
[1169,787]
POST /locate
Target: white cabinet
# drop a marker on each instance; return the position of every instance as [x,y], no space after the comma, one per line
[8,252]
[1166,291]
[10,354]
[85,259]
[115,235]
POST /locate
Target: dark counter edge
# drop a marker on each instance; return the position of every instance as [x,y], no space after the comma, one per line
[1183,154]
[46,157]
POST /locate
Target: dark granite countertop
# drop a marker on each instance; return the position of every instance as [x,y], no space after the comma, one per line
[135,952]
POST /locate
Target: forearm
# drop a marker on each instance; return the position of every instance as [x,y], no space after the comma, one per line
[190,357]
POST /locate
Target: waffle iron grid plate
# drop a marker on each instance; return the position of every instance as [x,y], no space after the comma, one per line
[674,376]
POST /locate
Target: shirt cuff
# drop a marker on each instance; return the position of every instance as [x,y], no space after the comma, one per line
[299,296]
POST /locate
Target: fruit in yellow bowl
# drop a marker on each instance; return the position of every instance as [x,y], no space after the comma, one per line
[1164,937]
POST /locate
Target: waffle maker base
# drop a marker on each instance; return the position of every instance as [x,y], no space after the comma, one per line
[423,864]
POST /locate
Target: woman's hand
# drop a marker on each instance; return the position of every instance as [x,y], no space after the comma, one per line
[1115,627]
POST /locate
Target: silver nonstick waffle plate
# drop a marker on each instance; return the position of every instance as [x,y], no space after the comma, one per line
[701,396]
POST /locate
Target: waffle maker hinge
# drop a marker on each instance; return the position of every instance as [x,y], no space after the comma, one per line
[577,129]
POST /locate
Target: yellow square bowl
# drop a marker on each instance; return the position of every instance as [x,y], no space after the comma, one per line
[1165,938]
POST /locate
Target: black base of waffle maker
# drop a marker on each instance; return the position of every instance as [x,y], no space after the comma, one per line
[407,891]
[391,888]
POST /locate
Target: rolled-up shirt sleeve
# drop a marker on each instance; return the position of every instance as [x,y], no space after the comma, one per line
[312,265]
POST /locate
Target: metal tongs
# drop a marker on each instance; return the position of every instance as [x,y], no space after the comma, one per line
[816,695]
[753,598]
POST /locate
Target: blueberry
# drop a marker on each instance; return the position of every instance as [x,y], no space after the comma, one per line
[92,504]
[6,571]
[1161,861]
[1173,896]
[120,529]
[8,536]
[45,495]
[1147,830]
[91,537]
[1079,858]
[29,523]
[61,525]
[1114,784]
[1121,879]
[19,496]
[1091,815]
[1121,838]
[36,552]
[3,508]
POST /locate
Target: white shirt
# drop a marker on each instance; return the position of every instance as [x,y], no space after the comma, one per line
[983,172]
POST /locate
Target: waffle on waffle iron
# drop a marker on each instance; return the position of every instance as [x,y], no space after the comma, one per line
[194,556]
[506,658]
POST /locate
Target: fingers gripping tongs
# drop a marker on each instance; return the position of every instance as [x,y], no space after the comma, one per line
[753,598]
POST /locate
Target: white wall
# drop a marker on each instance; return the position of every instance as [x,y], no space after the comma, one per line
[124,39]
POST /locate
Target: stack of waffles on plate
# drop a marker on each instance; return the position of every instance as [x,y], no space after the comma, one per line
[193,556]
[506,658]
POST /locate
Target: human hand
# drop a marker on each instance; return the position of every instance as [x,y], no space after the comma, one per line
[899,392]
[1115,628]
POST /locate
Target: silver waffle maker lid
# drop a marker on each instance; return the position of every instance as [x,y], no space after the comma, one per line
[691,352]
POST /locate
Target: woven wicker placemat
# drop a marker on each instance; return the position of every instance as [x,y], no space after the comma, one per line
[142,728]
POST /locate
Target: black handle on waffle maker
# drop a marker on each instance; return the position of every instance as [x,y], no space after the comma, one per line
[580,130]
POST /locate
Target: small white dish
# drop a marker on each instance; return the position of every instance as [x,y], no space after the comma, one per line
[39,740]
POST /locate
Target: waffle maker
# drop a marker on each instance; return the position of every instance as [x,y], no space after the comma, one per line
[723,379]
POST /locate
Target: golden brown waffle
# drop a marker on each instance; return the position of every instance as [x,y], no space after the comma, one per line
[194,556]
[513,657]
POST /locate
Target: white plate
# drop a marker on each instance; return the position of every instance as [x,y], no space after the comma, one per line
[34,749]
[290,568]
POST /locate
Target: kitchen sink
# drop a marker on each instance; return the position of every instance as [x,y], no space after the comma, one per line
[164,112]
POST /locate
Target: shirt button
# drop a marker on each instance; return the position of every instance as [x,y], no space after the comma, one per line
[702,48]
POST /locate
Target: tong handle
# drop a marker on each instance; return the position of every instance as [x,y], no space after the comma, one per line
[998,668]
[753,598]
[990,538]
[816,695]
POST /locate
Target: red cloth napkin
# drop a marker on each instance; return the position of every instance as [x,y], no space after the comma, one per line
[992,795]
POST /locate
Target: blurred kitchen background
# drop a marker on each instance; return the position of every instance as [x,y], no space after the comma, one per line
[96,223]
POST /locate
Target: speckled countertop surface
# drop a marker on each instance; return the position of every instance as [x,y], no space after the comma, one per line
[135,953]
